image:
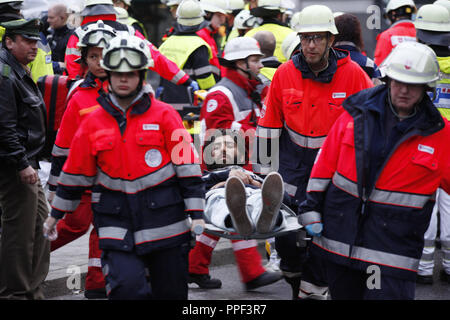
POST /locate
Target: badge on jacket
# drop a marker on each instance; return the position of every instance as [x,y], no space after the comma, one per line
[211,105]
[153,158]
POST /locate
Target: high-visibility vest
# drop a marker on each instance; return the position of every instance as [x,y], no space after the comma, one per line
[131,20]
[442,100]
[179,48]
[42,64]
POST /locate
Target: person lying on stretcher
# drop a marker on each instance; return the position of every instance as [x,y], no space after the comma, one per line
[237,200]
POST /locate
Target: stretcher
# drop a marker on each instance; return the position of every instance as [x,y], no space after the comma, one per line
[289,223]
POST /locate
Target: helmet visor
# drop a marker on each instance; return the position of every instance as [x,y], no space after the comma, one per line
[97,38]
[134,58]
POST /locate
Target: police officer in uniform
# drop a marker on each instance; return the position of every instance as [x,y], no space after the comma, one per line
[25,254]
[42,64]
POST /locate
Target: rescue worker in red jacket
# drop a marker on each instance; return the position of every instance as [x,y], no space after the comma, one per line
[235,101]
[304,99]
[82,101]
[374,181]
[402,28]
[104,10]
[135,155]
[229,105]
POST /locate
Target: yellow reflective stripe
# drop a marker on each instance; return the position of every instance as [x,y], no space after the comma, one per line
[206,83]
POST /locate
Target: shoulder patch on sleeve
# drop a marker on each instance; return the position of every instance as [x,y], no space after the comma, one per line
[211,105]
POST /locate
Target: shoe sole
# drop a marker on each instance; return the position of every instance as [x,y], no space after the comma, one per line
[272,192]
[236,202]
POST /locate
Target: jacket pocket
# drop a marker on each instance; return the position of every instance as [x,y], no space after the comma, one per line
[103,143]
[425,159]
[163,197]
[110,203]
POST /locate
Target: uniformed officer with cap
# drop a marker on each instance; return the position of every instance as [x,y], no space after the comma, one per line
[24,253]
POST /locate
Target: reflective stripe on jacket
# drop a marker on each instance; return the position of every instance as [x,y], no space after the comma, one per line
[143,173]
[384,223]
[300,110]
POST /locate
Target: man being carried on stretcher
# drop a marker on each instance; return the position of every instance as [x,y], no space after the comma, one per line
[238,200]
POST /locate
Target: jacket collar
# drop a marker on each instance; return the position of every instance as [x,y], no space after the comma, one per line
[336,58]
[10,60]
[374,100]
[240,80]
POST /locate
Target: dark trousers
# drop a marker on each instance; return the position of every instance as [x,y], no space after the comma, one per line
[349,284]
[162,274]
[25,253]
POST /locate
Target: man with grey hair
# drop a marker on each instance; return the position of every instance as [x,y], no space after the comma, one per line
[59,35]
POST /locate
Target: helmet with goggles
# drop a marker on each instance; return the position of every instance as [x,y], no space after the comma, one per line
[245,20]
[125,54]
[96,35]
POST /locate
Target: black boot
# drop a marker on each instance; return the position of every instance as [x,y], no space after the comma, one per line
[204,281]
[295,286]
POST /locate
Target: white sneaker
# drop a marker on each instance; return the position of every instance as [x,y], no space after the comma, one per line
[272,192]
[236,200]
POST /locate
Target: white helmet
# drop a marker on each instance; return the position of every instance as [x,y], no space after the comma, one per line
[295,21]
[245,20]
[241,48]
[215,6]
[412,62]
[96,34]
[236,5]
[316,18]
[190,13]
[97,7]
[444,3]
[171,3]
[126,53]
[271,5]
[289,43]
[432,17]
[395,4]
[122,15]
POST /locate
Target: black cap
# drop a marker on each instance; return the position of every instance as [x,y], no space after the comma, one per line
[26,28]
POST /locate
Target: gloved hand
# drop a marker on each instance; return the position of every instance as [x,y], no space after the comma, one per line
[158,92]
[314,229]
[194,85]
[50,229]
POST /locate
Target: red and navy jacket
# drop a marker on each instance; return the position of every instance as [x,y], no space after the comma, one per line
[80,104]
[144,175]
[401,31]
[378,221]
[163,66]
[233,103]
[298,112]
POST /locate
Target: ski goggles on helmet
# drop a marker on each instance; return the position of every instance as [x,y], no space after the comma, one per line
[96,38]
[134,58]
